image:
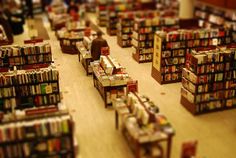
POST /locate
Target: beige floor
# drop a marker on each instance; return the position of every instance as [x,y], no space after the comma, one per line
[95,129]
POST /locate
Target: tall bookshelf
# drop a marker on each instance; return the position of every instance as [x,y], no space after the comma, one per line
[125,29]
[125,26]
[112,14]
[22,89]
[212,16]
[143,35]
[29,55]
[101,11]
[170,50]
[208,82]
[33,123]
[44,135]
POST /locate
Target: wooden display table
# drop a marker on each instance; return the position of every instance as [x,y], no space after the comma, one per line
[109,80]
[85,57]
[105,87]
[155,142]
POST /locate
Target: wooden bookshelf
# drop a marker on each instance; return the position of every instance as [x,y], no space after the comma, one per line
[28,55]
[212,16]
[208,82]
[170,50]
[143,35]
[112,14]
[23,89]
[101,11]
[125,29]
[41,137]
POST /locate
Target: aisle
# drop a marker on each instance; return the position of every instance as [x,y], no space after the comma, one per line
[95,128]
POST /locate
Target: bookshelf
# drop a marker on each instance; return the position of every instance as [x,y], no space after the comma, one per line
[84,52]
[170,50]
[28,55]
[212,16]
[125,26]
[45,135]
[143,35]
[20,89]
[112,14]
[208,82]
[101,11]
[147,131]
[125,29]
[110,78]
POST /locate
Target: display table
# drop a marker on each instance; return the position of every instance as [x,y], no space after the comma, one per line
[109,85]
[84,52]
[148,132]
[68,40]
[85,57]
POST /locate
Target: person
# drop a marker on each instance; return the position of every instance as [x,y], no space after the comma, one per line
[96,46]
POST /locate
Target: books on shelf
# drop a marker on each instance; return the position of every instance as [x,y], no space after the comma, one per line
[125,25]
[211,17]
[143,125]
[110,72]
[143,35]
[30,54]
[29,88]
[170,49]
[33,136]
[209,80]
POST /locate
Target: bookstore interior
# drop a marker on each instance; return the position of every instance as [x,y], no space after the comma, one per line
[117,78]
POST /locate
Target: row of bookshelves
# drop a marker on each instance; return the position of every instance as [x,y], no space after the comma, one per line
[25,55]
[50,135]
[125,26]
[30,77]
[143,35]
[209,80]
[210,16]
[172,48]
[30,88]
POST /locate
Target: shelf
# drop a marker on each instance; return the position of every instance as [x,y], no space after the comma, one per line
[193,108]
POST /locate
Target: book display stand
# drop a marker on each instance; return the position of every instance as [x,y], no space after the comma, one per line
[31,55]
[68,40]
[170,50]
[33,123]
[148,133]
[84,52]
[48,134]
[211,16]
[208,82]
[125,25]
[101,11]
[143,35]
[109,78]
[112,14]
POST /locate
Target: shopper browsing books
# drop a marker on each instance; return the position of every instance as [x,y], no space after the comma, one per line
[97,45]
